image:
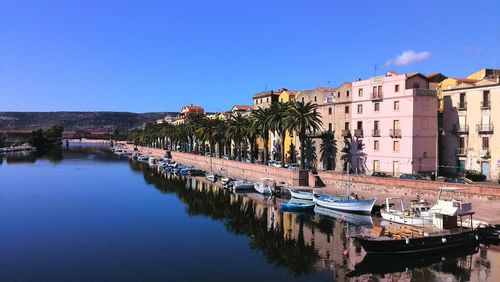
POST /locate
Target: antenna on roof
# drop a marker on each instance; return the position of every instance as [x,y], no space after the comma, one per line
[375,70]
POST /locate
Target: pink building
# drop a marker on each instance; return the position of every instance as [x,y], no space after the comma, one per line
[393,124]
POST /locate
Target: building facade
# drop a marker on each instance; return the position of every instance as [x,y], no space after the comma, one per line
[471,109]
[394,125]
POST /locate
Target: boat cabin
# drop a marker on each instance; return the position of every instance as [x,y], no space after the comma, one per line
[447,212]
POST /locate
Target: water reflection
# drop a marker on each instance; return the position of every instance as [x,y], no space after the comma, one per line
[306,243]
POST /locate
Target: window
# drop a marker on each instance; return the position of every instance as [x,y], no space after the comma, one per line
[380,91]
[462,98]
[375,145]
[395,124]
[281,100]
[486,143]
[338,94]
[395,146]
[374,91]
[346,109]
[425,155]
[360,92]
[346,126]
[330,111]
[347,93]
[261,100]
[416,85]
[302,99]
[376,166]
[360,125]
[396,105]
[314,98]
[375,124]
[360,109]
[396,88]
[330,127]
[376,107]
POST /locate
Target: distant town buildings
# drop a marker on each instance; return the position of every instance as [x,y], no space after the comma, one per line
[396,123]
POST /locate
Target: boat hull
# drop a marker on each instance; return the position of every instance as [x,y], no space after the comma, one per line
[297,207]
[344,204]
[428,244]
[358,219]
[262,189]
[301,195]
[407,220]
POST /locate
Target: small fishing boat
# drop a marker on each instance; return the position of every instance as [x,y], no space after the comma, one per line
[265,185]
[152,161]
[445,234]
[344,203]
[301,194]
[225,180]
[297,206]
[242,185]
[417,215]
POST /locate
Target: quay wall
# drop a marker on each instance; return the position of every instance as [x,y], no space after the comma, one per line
[386,185]
[333,180]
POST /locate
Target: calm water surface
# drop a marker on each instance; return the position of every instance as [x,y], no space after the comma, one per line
[84,214]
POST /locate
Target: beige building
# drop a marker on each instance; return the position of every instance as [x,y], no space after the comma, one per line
[342,125]
[471,141]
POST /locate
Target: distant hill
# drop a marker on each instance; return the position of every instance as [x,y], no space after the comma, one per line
[72,121]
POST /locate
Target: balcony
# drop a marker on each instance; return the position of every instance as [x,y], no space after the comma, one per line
[485,105]
[461,152]
[346,133]
[358,133]
[376,132]
[484,128]
[462,106]
[485,153]
[376,96]
[395,133]
[461,129]
[424,92]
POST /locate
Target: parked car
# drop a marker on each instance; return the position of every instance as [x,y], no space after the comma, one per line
[293,166]
[380,174]
[277,164]
[461,180]
[473,175]
[410,176]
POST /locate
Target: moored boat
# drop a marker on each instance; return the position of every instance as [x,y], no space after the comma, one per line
[297,206]
[417,215]
[445,234]
[212,177]
[357,219]
[344,203]
[301,194]
[242,185]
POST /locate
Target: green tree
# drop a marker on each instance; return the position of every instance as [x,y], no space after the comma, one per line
[304,119]
[54,132]
[260,124]
[278,123]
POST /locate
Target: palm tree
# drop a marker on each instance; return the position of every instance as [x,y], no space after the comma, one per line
[236,131]
[277,122]
[260,124]
[328,149]
[303,118]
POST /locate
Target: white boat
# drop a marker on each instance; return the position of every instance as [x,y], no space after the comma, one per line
[347,202]
[417,215]
[225,180]
[344,203]
[143,158]
[301,194]
[453,206]
[265,185]
[242,185]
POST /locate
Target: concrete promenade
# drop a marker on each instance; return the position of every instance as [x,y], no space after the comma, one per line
[485,200]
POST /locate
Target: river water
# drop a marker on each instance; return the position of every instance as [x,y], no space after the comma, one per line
[84,214]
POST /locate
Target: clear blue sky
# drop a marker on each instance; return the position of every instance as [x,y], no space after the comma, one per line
[144,56]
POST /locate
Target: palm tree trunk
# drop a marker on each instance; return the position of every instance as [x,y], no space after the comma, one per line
[283,152]
[266,140]
[302,151]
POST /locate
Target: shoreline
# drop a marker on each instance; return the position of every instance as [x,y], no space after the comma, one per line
[487,208]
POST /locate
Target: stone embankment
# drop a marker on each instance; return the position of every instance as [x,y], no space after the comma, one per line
[485,199]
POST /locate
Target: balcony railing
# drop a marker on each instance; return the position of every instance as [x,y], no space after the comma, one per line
[346,133]
[461,129]
[485,104]
[395,133]
[461,152]
[376,132]
[376,96]
[485,153]
[484,128]
[462,106]
[424,92]
[358,133]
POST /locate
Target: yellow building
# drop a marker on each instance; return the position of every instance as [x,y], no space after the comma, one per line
[290,137]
